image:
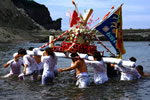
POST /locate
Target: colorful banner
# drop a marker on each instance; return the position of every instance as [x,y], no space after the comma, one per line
[111,27]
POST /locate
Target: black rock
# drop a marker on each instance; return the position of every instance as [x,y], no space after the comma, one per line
[39,13]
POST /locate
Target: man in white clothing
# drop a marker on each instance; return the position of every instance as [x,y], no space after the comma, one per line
[133,59]
[30,65]
[100,70]
[15,66]
[50,60]
[127,73]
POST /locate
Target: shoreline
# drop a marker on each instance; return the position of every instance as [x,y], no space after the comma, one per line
[41,36]
[43,39]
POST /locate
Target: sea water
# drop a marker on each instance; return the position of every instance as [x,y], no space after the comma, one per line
[63,87]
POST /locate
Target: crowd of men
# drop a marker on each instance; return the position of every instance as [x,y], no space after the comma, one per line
[44,67]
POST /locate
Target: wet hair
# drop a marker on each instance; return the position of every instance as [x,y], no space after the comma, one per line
[31,48]
[49,51]
[140,67]
[98,56]
[132,59]
[74,55]
[22,51]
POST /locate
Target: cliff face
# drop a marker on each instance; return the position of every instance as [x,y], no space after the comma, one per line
[39,13]
[12,17]
[15,23]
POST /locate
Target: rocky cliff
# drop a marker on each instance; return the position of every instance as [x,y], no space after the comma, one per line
[12,17]
[39,13]
[16,24]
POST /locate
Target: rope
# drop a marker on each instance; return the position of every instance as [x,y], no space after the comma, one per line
[102,44]
[60,36]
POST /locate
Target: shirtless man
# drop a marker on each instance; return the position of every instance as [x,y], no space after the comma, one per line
[81,71]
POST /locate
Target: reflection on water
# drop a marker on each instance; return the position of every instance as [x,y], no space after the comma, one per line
[64,87]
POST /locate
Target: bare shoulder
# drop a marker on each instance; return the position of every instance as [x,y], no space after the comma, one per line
[77,62]
[80,61]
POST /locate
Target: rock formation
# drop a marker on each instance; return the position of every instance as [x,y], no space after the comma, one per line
[39,13]
[16,24]
[12,17]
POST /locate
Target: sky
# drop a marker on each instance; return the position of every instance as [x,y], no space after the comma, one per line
[136,13]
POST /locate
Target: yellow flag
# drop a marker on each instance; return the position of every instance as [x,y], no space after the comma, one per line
[119,34]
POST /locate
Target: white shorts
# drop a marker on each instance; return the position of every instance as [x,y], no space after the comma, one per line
[100,78]
[83,80]
[47,77]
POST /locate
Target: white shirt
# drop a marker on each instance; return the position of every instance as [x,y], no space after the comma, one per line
[30,61]
[40,66]
[128,73]
[15,67]
[100,71]
[49,63]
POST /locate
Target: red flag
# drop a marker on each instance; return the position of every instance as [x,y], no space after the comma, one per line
[74,18]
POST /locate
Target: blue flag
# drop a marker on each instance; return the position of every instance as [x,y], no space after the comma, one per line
[107,28]
[111,27]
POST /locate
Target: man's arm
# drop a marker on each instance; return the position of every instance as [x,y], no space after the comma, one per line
[24,69]
[69,68]
[6,65]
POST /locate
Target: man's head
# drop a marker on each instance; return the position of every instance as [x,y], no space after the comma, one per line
[49,52]
[30,48]
[16,56]
[139,68]
[97,56]
[132,59]
[22,52]
[74,56]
